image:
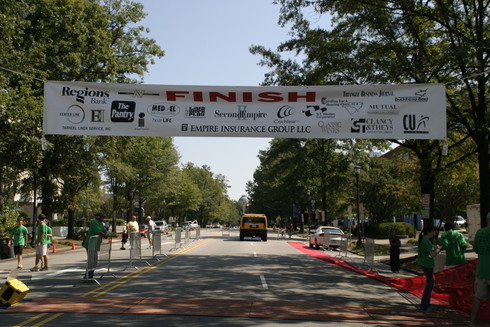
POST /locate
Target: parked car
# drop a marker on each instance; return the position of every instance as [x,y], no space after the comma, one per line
[143,231]
[317,238]
[190,223]
[460,222]
[161,225]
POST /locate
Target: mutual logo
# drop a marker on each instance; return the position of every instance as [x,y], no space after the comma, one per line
[74,114]
[415,125]
[383,109]
[419,96]
[96,96]
[371,125]
[122,111]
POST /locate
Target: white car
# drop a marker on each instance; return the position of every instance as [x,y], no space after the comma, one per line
[317,238]
[459,222]
[161,225]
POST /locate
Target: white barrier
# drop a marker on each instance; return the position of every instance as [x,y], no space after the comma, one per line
[135,249]
[178,237]
[344,245]
[98,256]
[369,252]
[281,233]
[327,240]
[225,231]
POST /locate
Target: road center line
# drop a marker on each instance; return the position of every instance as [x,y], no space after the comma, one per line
[255,254]
[264,282]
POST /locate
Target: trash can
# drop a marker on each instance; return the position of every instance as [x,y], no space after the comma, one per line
[5,249]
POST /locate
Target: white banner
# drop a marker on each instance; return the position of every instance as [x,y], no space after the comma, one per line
[413,111]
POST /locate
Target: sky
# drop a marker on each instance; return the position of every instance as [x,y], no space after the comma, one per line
[206,42]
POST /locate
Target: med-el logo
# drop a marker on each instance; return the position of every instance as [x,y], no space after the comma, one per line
[97,96]
[285,111]
[415,125]
[163,109]
[122,111]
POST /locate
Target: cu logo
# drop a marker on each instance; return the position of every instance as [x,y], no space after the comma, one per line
[410,122]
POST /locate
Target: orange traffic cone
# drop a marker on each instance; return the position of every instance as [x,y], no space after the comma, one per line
[73,245]
[54,248]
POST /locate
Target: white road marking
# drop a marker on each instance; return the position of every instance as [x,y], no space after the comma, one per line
[264,282]
[255,254]
[37,276]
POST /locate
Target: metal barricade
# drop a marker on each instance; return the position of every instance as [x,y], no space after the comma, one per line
[98,257]
[225,231]
[187,235]
[344,246]
[369,252]
[135,249]
[178,236]
[157,244]
[327,240]
[281,233]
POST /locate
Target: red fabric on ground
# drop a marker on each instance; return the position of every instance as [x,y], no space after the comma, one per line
[453,288]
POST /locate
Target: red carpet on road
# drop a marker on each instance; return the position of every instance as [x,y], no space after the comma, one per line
[453,287]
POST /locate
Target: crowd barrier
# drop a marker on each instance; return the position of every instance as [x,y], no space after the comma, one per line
[344,246]
[178,239]
[369,252]
[225,231]
[157,244]
[281,233]
[135,250]
[327,240]
[98,257]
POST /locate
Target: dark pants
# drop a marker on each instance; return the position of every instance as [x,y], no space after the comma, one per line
[429,286]
[395,259]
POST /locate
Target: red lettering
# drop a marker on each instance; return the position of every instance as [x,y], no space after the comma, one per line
[294,96]
[270,97]
[198,96]
[247,97]
[173,95]
[214,96]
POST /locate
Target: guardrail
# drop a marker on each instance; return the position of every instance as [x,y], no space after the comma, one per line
[98,257]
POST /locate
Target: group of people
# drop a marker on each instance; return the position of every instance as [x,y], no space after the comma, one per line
[454,244]
[132,226]
[19,235]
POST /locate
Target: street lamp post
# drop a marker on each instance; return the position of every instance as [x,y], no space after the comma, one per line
[34,207]
[357,171]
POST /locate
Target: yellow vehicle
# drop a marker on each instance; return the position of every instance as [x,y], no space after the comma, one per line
[253,225]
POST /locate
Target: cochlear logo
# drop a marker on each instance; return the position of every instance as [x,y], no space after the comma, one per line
[414,125]
[163,109]
[285,111]
[122,111]
[97,96]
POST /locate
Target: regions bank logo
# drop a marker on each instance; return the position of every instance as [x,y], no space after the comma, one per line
[122,111]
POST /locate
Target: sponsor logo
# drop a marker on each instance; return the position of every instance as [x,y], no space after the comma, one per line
[285,111]
[138,93]
[352,107]
[74,114]
[333,127]
[318,111]
[163,109]
[418,96]
[415,125]
[122,111]
[195,112]
[242,114]
[184,127]
[97,116]
[371,125]
[97,96]
[383,109]
[370,93]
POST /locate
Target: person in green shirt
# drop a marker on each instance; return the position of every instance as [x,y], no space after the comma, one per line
[455,244]
[19,235]
[426,254]
[481,246]
[41,244]
[96,228]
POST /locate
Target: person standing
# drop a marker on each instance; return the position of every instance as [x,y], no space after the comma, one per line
[133,225]
[151,230]
[41,244]
[395,244]
[426,254]
[19,236]
[455,244]
[97,227]
[124,238]
[481,246]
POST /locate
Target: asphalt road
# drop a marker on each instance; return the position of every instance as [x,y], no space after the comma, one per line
[214,281]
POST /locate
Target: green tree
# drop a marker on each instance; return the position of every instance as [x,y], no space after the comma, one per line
[396,42]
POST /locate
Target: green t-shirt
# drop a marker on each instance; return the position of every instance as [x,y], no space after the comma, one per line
[19,235]
[482,247]
[50,231]
[455,244]
[424,257]
[96,227]
[42,228]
